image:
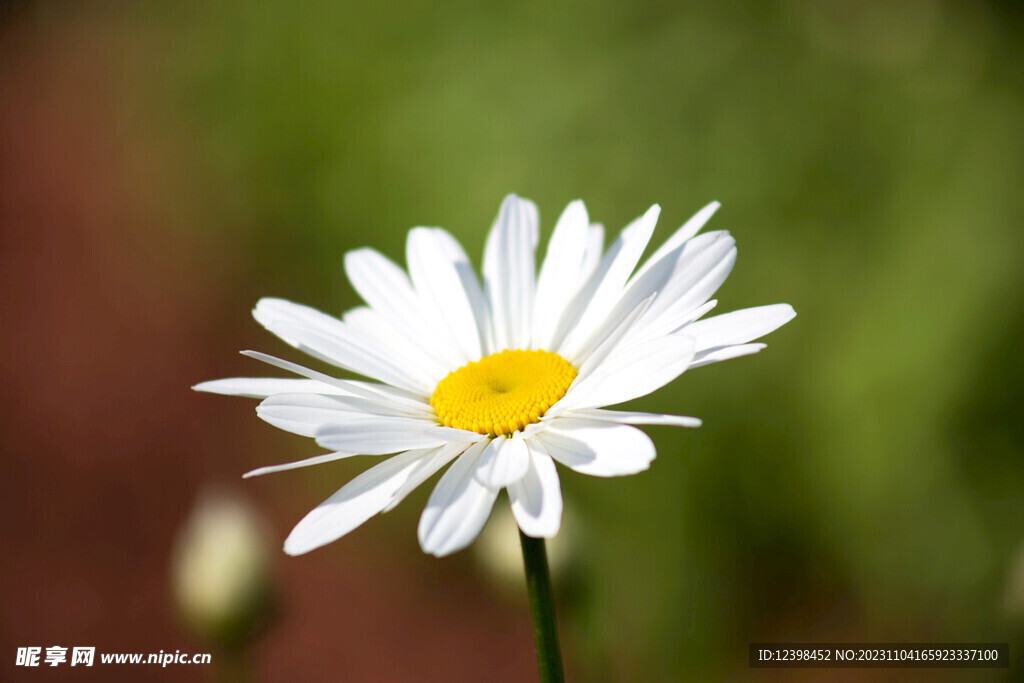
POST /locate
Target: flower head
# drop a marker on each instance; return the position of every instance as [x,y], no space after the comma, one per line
[504,379]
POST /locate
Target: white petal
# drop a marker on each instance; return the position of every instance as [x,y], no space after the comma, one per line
[368,390]
[646,288]
[596,298]
[377,435]
[509,273]
[635,418]
[296,368]
[386,288]
[331,340]
[589,361]
[380,282]
[457,509]
[537,498]
[353,504]
[597,448]
[444,278]
[298,416]
[630,373]
[304,414]
[698,268]
[740,327]
[681,236]
[721,353]
[562,272]
[370,322]
[261,387]
[699,312]
[594,250]
[702,291]
[504,461]
[437,458]
[307,462]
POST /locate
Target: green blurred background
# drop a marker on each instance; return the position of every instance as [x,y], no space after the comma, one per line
[163,165]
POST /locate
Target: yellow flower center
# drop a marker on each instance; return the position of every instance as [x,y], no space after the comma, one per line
[503,392]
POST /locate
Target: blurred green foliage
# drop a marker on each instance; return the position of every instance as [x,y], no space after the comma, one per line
[861,479]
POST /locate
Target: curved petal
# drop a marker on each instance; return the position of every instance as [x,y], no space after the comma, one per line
[503,462]
[352,504]
[297,464]
[720,353]
[630,373]
[394,342]
[681,236]
[457,509]
[739,327]
[685,296]
[378,435]
[596,298]
[589,361]
[536,499]
[262,387]
[331,340]
[636,418]
[304,414]
[561,273]
[370,390]
[643,291]
[509,273]
[444,278]
[698,268]
[594,250]
[386,288]
[430,464]
[597,448]
[381,283]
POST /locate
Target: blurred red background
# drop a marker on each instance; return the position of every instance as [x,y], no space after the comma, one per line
[108,308]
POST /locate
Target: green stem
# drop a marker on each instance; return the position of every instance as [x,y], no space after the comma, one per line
[542,609]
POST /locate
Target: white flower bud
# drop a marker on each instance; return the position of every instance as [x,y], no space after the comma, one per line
[220,569]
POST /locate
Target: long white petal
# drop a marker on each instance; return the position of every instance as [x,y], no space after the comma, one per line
[721,353]
[331,340]
[457,509]
[597,297]
[438,458]
[598,448]
[503,462]
[594,251]
[371,323]
[646,288]
[630,373]
[386,288]
[306,462]
[377,435]
[368,390]
[261,387]
[685,297]
[681,236]
[739,327]
[589,361]
[698,268]
[297,369]
[562,272]
[509,273]
[636,418]
[304,414]
[352,504]
[381,282]
[441,273]
[536,499]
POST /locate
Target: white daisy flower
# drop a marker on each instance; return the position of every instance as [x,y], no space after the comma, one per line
[504,379]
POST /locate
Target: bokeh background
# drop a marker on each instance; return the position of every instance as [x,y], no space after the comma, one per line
[165,164]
